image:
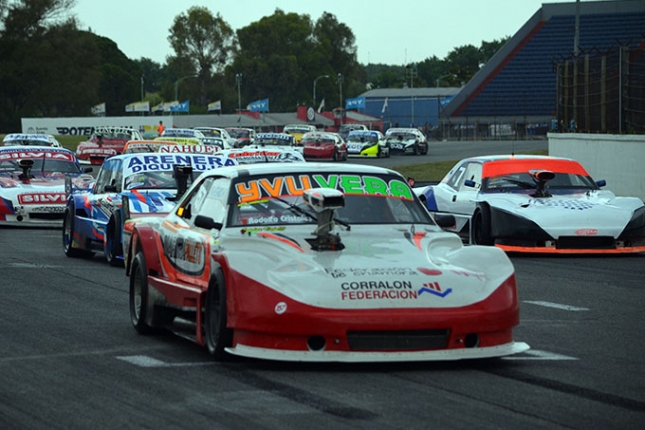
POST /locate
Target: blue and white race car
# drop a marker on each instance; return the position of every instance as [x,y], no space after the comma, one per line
[94,220]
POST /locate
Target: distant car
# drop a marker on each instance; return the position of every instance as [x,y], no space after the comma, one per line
[29,139]
[242,136]
[142,146]
[194,136]
[319,145]
[538,204]
[220,133]
[298,130]
[370,143]
[32,184]
[105,142]
[406,141]
[282,140]
[317,262]
[344,129]
[93,219]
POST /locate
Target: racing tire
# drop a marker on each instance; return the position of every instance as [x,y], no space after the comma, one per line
[335,158]
[217,335]
[113,247]
[68,234]
[481,226]
[139,295]
[417,151]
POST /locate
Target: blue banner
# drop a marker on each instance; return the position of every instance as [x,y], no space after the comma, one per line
[357,103]
[259,106]
[443,101]
[180,107]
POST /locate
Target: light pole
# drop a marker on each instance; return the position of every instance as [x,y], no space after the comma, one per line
[444,76]
[238,81]
[316,80]
[340,80]
[178,81]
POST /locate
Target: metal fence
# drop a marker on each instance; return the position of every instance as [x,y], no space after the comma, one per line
[602,92]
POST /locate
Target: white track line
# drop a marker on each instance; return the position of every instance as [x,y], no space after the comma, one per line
[555,305]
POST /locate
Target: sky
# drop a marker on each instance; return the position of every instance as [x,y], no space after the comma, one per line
[386,32]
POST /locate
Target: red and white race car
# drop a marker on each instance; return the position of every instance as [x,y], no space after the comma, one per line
[318,145]
[32,184]
[105,142]
[318,262]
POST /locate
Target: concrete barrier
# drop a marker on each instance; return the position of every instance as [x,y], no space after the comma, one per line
[618,159]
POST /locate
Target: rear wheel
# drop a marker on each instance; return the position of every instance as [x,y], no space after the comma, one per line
[217,335]
[68,236]
[481,226]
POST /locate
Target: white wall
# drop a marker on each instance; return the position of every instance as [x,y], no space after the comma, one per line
[83,126]
[618,159]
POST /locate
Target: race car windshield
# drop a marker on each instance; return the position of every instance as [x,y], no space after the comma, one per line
[524,181]
[239,134]
[273,142]
[42,166]
[150,180]
[402,136]
[362,139]
[26,142]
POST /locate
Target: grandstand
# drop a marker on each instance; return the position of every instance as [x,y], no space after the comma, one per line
[519,86]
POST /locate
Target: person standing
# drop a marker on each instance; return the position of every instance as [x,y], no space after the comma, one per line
[160,128]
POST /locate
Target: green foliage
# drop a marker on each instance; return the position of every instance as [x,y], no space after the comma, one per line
[51,68]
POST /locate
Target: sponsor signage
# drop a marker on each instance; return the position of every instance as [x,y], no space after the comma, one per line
[41,198]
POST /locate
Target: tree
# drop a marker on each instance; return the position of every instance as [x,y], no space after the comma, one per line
[207,41]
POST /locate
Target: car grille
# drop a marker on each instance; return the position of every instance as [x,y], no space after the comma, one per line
[592,242]
[411,340]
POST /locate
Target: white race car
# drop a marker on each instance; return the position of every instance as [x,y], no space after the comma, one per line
[317,262]
[32,184]
[539,204]
[30,139]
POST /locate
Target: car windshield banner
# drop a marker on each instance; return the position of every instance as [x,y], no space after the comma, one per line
[165,162]
[254,189]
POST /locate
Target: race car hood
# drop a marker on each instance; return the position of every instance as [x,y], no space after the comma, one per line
[384,266]
[597,213]
[39,189]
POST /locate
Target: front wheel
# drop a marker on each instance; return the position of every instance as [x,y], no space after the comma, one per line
[139,295]
[218,336]
[113,245]
[481,226]
[68,236]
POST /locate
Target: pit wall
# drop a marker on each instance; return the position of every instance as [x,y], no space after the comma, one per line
[618,159]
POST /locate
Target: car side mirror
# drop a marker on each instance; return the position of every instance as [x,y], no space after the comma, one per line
[601,183]
[88,170]
[207,223]
[110,189]
[470,183]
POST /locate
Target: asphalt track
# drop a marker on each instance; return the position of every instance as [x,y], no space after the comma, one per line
[69,359]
